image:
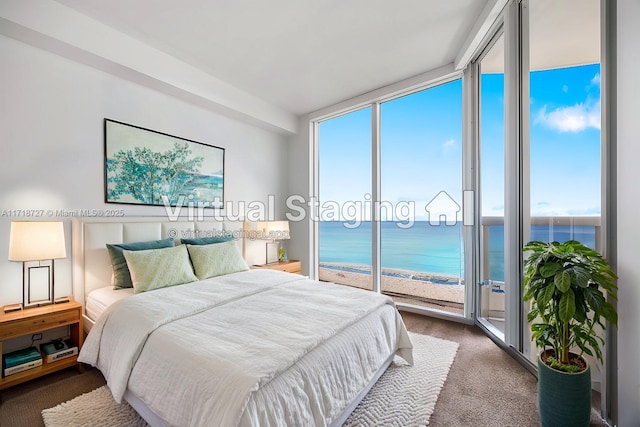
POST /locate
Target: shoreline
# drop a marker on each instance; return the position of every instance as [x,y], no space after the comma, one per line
[431,286]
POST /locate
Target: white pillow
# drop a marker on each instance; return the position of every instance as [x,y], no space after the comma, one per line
[216,259]
[158,268]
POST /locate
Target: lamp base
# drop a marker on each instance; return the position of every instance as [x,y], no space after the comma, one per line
[38,303]
[271,253]
[12,307]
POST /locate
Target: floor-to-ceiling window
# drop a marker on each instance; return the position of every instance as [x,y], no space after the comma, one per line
[422,249]
[420,200]
[344,178]
[538,145]
[564,137]
[538,176]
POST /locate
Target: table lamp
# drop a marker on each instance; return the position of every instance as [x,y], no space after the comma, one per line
[37,244]
[273,232]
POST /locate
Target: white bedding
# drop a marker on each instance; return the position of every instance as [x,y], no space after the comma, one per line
[98,300]
[235,350]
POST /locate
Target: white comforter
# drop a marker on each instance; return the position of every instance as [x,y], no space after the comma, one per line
[255,348]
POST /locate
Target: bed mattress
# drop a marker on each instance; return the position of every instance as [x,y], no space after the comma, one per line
[98,300]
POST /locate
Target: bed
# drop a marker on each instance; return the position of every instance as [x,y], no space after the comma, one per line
[252,347]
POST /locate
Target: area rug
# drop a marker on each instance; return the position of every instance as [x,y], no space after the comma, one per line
[404,395]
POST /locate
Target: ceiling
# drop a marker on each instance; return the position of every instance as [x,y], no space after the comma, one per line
[299,55]
[567,37]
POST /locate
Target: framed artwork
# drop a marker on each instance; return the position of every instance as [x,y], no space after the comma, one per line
[145,167]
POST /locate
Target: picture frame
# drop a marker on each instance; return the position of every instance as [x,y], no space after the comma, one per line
[147,167]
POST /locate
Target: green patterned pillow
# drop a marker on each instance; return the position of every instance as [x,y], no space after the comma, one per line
[217,259]
[159,268]
[121,276]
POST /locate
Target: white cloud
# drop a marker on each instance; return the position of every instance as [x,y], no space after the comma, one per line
[448,145]
[595,81]
[565,88]
[564,208]
[575,118]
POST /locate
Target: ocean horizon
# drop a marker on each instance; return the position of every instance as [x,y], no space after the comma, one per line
[427,248]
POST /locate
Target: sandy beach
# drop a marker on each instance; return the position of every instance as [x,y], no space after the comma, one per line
[443,291]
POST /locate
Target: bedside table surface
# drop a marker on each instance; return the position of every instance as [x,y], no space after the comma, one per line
[37,311]
[291,266]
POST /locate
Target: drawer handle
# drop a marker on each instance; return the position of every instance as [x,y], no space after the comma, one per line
[40,321]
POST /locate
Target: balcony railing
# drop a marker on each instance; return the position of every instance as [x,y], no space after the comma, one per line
[447,293]
[551,223]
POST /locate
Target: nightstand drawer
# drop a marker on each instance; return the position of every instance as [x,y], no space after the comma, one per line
[292,267]
[36,323]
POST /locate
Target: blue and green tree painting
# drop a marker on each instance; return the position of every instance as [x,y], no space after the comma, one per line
[153,168]
[148,175]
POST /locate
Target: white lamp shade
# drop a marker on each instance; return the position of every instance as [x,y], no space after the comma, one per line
[274,230]
[36,241]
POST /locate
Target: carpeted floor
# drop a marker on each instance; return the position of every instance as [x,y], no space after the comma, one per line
[485,386]
[22,405]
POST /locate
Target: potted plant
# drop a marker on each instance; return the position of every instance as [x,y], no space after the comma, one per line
[567,284]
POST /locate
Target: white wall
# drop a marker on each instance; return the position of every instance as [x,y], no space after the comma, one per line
[628,209]
[300,167]
[52,148]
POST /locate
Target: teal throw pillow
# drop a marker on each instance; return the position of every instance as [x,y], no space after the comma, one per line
[205,240]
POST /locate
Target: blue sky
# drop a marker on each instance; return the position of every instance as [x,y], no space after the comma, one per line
[421,146]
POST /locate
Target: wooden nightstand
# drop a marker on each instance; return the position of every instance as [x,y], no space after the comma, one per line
[34,320]
[291,266]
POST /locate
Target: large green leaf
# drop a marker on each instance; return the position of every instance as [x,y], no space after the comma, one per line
[580,276]
[608,312]
[562,280]
[581,310]
[546,296]
[594,298]
[549,269]
[567,306]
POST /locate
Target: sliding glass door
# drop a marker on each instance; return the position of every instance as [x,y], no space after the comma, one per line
[564,137]
[421,189]
[539,144]
[492,289]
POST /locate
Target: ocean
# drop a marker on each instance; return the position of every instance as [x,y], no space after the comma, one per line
[428,248]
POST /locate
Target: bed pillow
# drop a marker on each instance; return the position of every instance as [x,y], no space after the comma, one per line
[205,240]
[121,276]
[217,259]
[158,268]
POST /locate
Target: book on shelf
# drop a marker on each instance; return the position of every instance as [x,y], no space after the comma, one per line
[20,360]
[23,367]
[58,349]
[21,356]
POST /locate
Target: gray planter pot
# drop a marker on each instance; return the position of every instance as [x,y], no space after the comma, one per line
[564,399]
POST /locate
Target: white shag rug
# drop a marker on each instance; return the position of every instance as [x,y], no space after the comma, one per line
[404,395]
[96,408]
